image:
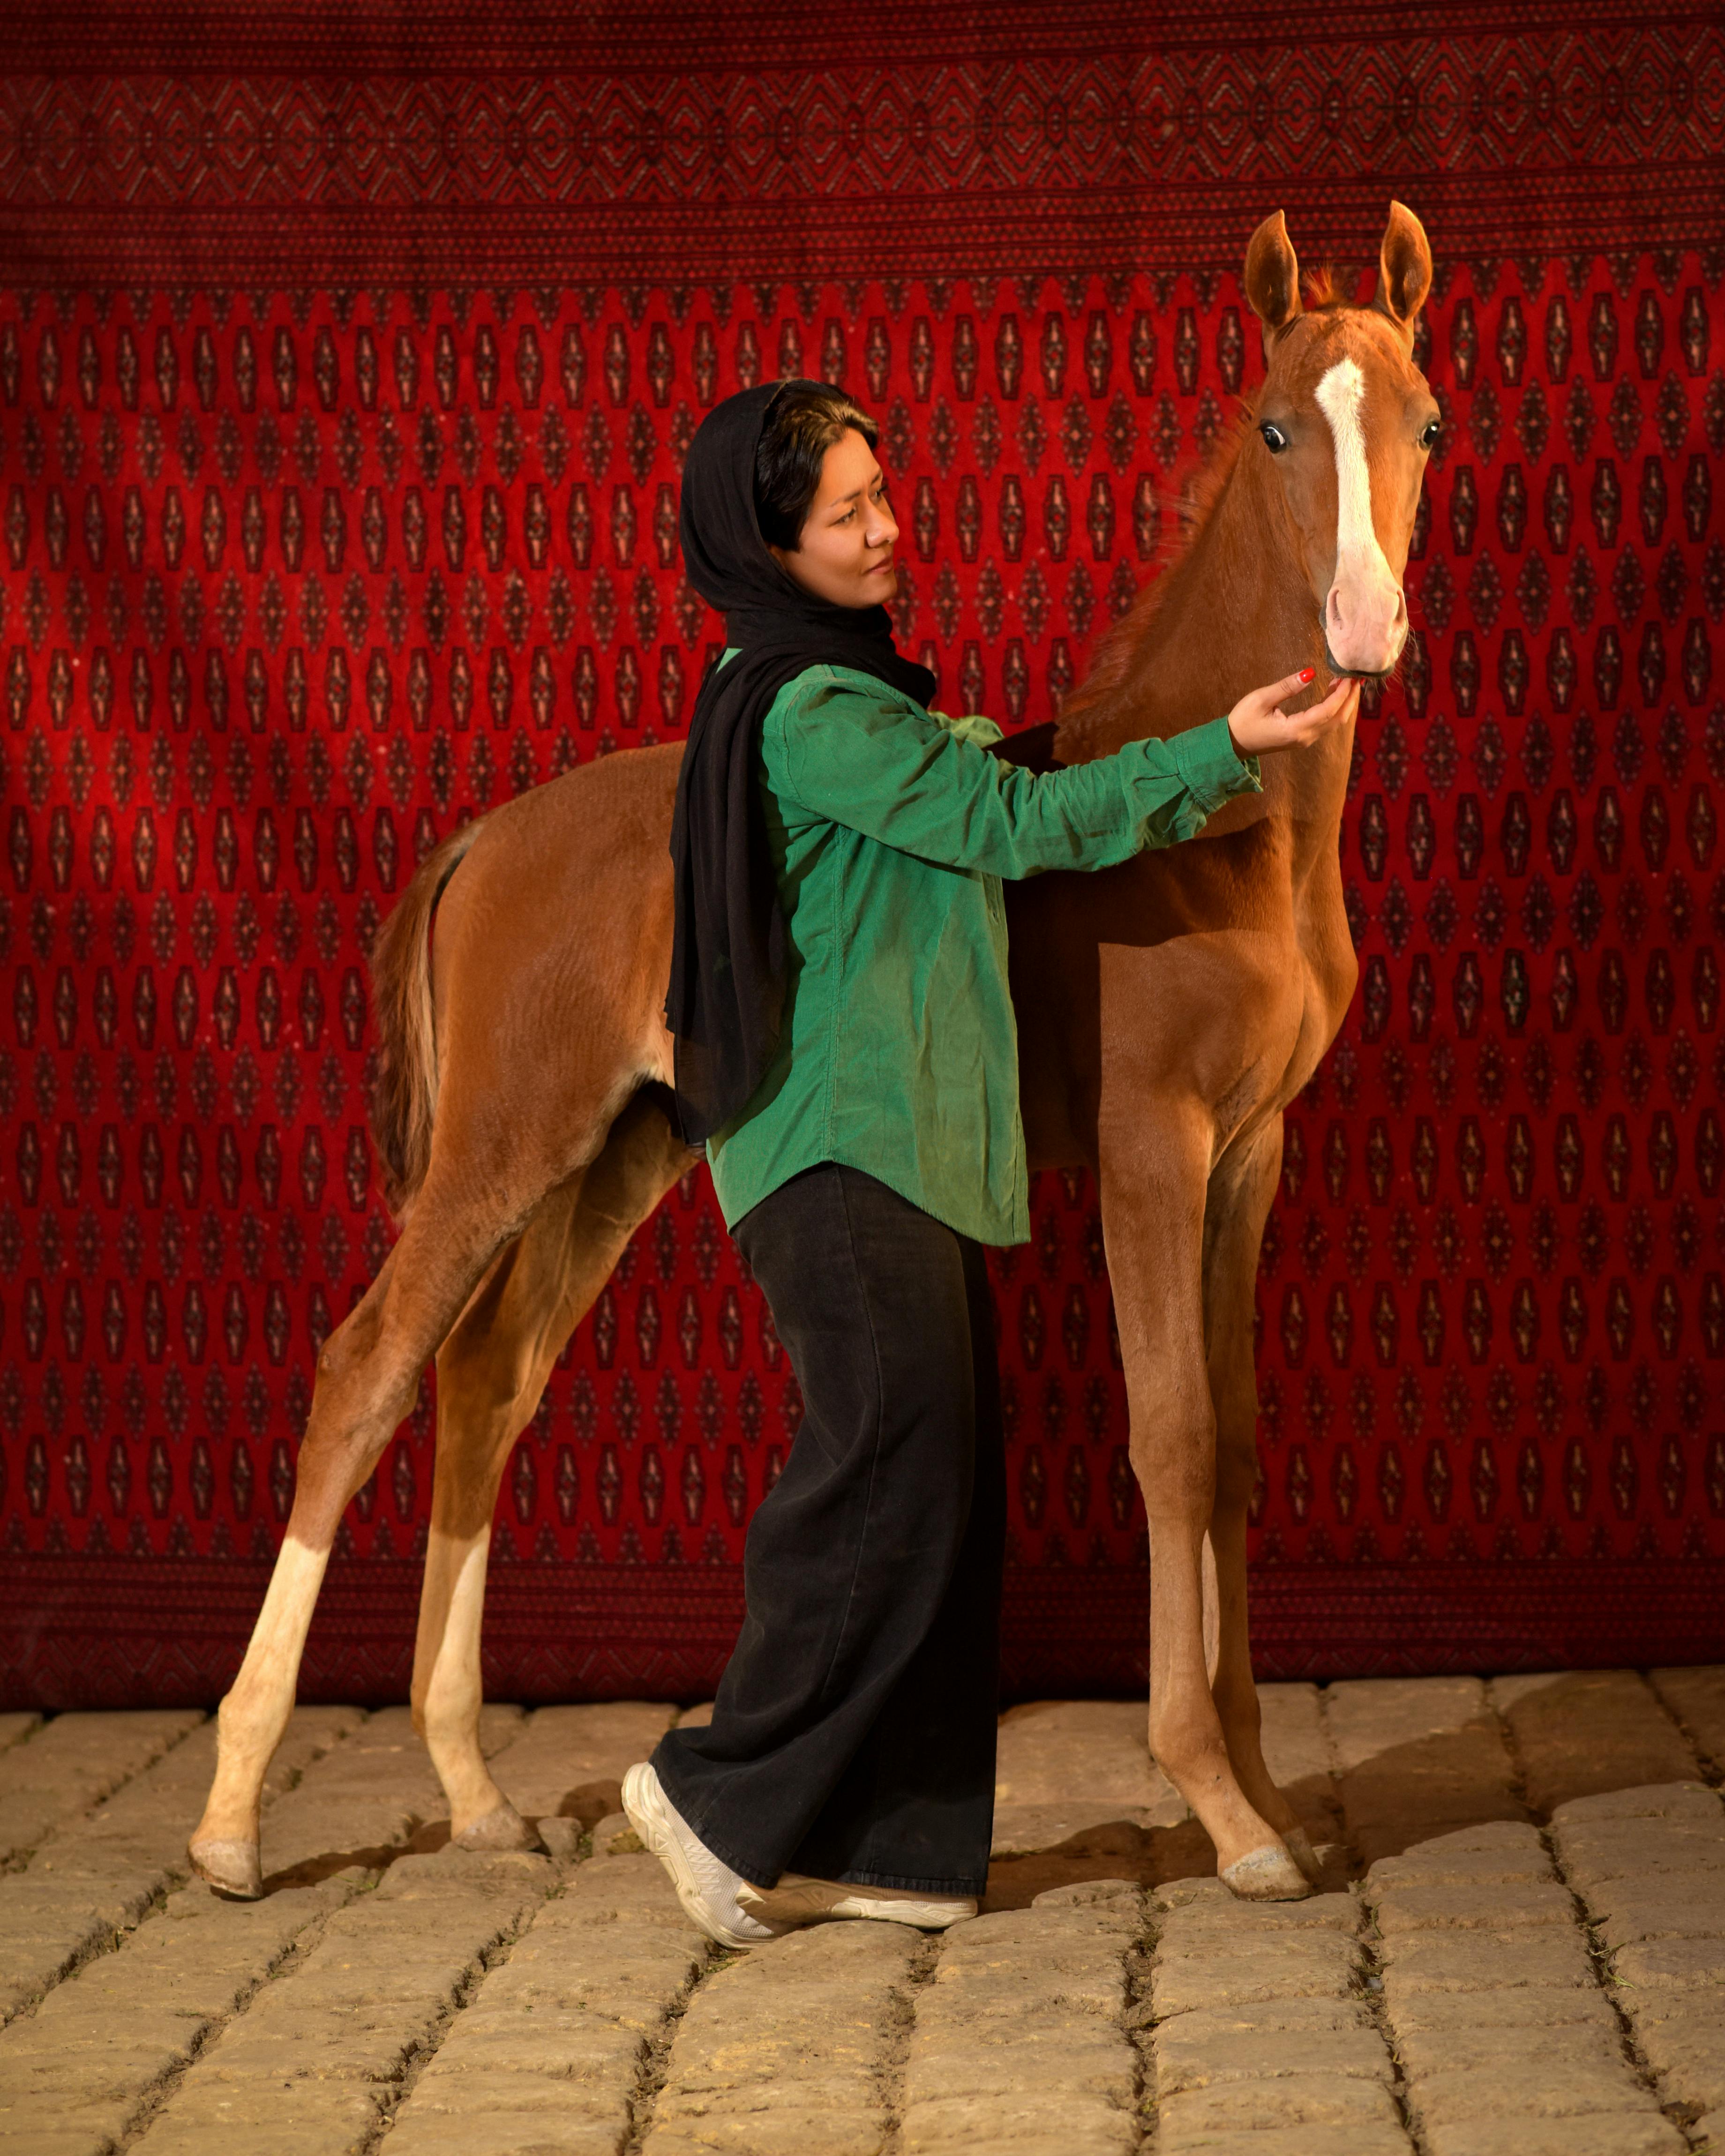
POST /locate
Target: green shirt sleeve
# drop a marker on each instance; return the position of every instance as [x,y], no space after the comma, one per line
[884,767]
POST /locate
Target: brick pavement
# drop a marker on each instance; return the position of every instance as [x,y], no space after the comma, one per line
[1519,1950]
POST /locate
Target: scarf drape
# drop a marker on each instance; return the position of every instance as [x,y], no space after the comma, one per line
[725,999]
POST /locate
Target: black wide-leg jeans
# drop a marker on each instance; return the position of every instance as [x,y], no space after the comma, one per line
[852,1732]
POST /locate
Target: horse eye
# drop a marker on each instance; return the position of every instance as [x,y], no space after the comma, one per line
[1274,439]
[1429,434]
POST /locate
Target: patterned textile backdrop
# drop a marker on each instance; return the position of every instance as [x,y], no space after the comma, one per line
[347,366]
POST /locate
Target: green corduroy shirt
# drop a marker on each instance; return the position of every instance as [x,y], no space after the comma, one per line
[892,828]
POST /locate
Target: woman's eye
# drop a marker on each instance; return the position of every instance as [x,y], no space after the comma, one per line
[1274,439]
[1429,434]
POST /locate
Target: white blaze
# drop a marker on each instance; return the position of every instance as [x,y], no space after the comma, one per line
[1340,395]
[1371,623]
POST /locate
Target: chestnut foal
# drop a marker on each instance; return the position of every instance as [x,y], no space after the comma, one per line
[1168,1009]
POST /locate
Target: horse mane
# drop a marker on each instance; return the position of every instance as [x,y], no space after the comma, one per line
[1114,653]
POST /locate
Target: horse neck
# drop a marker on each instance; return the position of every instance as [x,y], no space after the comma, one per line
[1234,613]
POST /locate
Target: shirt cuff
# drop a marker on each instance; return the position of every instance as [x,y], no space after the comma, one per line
[1209,768]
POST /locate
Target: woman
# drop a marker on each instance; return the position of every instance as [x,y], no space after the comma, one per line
[846,1049]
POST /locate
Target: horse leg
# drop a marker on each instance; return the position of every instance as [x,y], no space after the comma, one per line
[366,1377]
[1154,1187]
[1240,1191]
[490,1373]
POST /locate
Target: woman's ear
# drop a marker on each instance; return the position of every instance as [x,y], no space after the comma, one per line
[1272,277]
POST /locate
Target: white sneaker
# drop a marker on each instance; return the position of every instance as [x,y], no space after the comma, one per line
[708,1889]
[797,1900]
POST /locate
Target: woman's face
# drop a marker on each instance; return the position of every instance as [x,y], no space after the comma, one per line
[844,554]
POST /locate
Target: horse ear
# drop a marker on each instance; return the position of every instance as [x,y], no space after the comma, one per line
[1403,269]
[1272,276]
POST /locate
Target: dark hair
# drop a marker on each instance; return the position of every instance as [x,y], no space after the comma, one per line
[804,421]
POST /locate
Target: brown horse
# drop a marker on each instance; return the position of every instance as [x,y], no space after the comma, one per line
[1169,1010]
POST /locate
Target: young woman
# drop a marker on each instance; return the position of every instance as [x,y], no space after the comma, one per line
[845,1050]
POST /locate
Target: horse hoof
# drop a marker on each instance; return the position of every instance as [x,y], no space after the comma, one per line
[1269,1874]
[502,1828]
[1304,1855]
[232,1868]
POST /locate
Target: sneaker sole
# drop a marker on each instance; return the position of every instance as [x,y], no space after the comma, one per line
[920,1916]
[643,1811]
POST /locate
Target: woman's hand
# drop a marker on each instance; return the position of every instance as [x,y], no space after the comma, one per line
[1257,726]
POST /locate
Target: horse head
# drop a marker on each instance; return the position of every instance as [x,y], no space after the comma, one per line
[1346,422]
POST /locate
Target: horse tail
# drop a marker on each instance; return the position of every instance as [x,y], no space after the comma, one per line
[404,1098]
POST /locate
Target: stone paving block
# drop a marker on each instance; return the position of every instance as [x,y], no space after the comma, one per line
[509,2126]
[51,2126]
[1680,1802]
[1417,1755]
[1192,1904]
[1368,1717]
[1500,1852]
[1495,1908]
[1533,2086]
[570,1761]
[1256,2107]
[1044,1957]
[1330,2138]
[1312,2018]
[1686,2050]
[81,1888]
[46,1785]
[1695,1699]
[1670,1965]
[1673,1905]
[1589,1730]
[1194,2058]
[1067,1769]
[1016,2040]
[1016,2123]
[327,2039]
[1290,1964]
[1084,2054]
[781,2050]
[1534,2006]
[1485,1960]
[1618,2133]
[1096,1750]
[1486,2045]
[1639,1849]
[596,1969]
[305,2119]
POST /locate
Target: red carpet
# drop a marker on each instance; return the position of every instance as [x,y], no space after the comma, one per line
[346,358]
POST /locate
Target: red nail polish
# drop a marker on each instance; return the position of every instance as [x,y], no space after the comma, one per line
[1308,673]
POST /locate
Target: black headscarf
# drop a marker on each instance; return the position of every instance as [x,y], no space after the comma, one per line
[728,978]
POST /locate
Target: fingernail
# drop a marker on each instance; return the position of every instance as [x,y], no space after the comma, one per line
[1308,673]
